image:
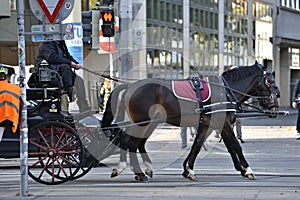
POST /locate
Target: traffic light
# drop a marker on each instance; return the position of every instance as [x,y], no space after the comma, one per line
[90,27]
[108,23]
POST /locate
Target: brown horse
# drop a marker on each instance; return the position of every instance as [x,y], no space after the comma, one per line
[152,101]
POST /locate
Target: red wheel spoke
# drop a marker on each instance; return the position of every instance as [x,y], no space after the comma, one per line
[53,168]
[38,145]
[44,168]
[37,153]
[60,139]
[42,136]
[68,161]
[68,142]
[39,161]
[61,168]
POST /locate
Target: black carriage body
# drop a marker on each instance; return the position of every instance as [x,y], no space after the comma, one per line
[43,104]
[54,142]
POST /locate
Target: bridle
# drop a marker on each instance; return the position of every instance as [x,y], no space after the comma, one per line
[267,81]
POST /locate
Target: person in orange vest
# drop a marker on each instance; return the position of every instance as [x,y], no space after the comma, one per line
[10,103]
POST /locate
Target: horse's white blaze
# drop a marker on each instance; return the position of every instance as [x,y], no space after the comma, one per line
[121,167]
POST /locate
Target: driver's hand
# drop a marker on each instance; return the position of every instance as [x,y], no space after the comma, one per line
[75,66]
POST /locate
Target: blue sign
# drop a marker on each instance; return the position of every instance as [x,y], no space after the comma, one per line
[75,46]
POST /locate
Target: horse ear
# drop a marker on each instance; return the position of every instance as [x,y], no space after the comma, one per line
[256,63]
[273,73]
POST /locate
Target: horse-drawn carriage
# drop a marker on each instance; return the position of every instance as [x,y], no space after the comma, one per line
[57,141]
[62,147]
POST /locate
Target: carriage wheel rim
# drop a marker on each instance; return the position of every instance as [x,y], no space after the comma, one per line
[55,158]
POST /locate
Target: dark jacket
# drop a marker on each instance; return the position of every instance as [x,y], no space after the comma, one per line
[54,52]
[296,91]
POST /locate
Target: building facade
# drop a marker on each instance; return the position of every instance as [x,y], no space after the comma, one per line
[183,37]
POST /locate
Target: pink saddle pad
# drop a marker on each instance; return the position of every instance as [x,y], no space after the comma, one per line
[184,90]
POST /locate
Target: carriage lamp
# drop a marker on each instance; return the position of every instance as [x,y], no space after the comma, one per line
[53,108]
[44,72]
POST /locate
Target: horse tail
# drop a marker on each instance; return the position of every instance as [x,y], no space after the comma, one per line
[115,107]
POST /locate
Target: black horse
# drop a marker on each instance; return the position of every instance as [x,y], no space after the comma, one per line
[152,101]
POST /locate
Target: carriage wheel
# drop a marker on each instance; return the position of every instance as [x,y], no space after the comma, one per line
[83,171]
[55,153]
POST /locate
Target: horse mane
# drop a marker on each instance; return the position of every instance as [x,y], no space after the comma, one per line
[240,72]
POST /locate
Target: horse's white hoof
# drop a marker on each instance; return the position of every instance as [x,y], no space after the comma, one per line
[149,173]
[114,173]
[192,177]
[250,176]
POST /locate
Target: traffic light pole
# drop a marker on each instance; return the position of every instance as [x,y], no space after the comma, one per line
[23,124]
[126,38]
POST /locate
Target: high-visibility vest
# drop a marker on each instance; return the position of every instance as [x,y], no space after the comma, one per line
[10,96]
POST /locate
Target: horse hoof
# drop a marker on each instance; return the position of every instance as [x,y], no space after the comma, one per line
[185,174]
[141,178]
[192,177]
[114,173]
[250,176]
[149,173]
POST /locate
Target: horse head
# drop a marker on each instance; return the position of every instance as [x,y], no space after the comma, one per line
[252,82]
[268,90]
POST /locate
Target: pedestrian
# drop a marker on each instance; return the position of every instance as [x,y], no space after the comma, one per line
[10,103]
[238,128]
[183,135]
[59,59]
[104,93]
[296,105]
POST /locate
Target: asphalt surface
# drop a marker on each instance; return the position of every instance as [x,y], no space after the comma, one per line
[271,150]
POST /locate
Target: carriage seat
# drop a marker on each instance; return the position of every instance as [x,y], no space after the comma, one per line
[44,83]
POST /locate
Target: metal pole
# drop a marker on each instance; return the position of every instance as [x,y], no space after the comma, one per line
[23,124]
[111,68]
[126,38]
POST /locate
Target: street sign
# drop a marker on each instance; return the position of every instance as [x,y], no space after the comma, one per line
[51,32]
[51,11]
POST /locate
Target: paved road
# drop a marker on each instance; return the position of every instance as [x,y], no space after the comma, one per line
[272,152]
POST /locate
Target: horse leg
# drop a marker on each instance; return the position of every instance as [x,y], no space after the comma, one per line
[188,164]
[144,154]
[146,159]
[124,140]
[121,165]
[244,164]
[134,163]
[235,151]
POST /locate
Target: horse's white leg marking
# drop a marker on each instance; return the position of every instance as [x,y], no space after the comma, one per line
[148,166]
[249,173]
[121,167]
[191,172]
[149,169]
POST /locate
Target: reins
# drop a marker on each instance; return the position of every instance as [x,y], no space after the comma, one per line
[104,75]
[230,91]
[213,83]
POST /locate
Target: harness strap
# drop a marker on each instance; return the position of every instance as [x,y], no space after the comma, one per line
[230,93]
[197,84]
